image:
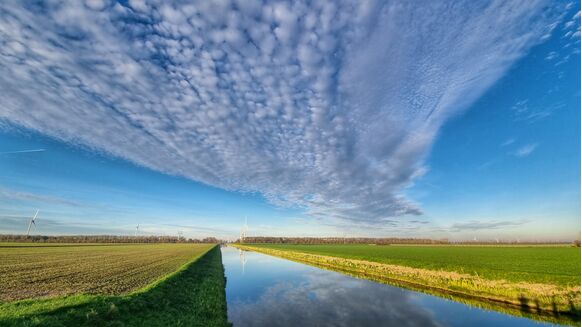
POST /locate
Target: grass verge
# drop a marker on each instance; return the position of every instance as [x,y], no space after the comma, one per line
[194,295]
[546,302]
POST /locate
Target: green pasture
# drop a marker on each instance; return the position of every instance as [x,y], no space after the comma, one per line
[559,265]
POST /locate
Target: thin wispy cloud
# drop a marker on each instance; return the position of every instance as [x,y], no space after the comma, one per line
[569,29]
[476,225]
[50,226]
[508,142]
[526,150]
[552,55]
[486,164]
[22,151]
[34,198]
[331,106]
[199,228]
[523,112]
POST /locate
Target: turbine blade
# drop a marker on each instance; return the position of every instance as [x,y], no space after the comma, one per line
[29,225]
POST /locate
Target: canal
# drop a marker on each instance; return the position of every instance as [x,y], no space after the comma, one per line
[267,291]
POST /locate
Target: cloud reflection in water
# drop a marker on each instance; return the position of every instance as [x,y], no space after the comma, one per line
[319,300]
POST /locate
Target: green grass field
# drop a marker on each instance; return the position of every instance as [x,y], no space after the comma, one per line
[192,293]
[559,265]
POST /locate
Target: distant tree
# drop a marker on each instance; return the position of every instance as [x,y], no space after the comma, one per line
[103,239]
[369,240]
[341,240]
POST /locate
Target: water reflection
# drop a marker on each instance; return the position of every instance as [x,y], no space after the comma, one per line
[243,260]
[327,300]
[267,291]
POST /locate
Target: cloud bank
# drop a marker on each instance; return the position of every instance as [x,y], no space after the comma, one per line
[329,105]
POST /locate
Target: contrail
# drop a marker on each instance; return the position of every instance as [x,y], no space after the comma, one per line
[23,151]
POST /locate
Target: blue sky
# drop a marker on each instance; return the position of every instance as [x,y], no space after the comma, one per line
[366,119]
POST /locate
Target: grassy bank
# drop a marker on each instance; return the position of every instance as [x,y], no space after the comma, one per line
[558,265]
[194,295]
[512,283]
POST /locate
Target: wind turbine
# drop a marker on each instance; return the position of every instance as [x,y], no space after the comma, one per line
[32,222]
[136,229]
[246,226]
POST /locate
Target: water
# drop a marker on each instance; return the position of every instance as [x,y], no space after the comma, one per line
[266,291]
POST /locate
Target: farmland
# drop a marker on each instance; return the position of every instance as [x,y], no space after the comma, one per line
[187,290]
[540,279]
[31,271]
[558,265]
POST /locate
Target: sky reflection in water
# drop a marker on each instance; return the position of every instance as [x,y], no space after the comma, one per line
[268,291]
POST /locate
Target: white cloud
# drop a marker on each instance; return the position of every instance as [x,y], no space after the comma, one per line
[552,55]
[96,4]
[526,150]
[507,142]
[22,151]
[328,105]
[569,40]
[524,112]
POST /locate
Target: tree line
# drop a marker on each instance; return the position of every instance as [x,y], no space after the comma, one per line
[340,240]
[384,241]
[103,239]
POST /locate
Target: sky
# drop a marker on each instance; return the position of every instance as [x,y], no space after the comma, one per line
[445,119]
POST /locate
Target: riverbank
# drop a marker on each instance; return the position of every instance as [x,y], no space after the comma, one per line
[193,295]
[548,302]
